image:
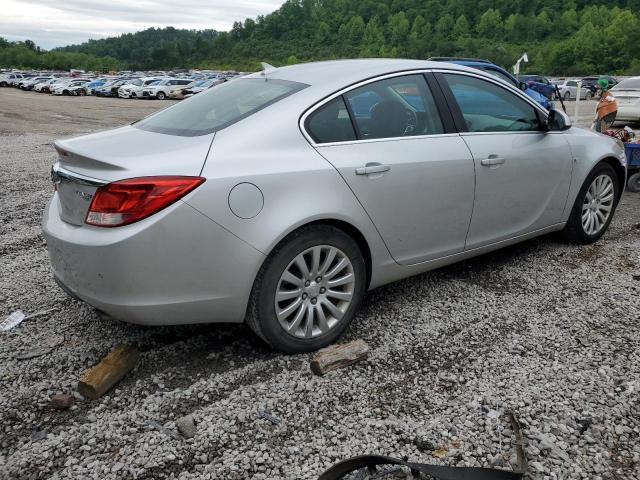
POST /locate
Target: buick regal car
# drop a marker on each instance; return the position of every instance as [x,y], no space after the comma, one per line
[282,197]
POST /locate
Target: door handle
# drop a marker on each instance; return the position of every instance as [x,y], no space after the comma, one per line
[492,161]
[372,168]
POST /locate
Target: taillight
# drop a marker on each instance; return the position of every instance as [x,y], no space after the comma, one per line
[127,201]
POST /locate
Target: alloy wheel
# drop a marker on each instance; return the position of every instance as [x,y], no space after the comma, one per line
[314,291]
[598,204]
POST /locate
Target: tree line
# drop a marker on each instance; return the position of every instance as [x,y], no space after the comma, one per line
[562,37]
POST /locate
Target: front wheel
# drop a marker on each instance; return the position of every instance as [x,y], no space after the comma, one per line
[594,207]
[308,290]
[161,96]
[567,96]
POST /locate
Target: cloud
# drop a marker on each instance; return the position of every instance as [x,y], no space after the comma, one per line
[55,23]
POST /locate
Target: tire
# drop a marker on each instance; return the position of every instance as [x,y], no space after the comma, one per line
[575,230]
[161,96]
[567,96]
[261,313]
[633,184]
[588,96]
[81,93]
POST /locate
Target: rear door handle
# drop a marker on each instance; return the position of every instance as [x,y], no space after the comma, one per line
[372,168]
[492,161]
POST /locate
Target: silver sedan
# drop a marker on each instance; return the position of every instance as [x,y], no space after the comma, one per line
[280,198]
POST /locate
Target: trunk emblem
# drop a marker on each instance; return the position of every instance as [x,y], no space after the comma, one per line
[84,195]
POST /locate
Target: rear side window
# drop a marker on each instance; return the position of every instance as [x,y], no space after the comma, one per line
[395,107]
[486,107]
[331,123]
[219,107]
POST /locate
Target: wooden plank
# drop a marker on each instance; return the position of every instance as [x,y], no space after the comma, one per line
[339,356]
[98,380]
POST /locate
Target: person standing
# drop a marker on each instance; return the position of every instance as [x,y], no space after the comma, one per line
[607,108]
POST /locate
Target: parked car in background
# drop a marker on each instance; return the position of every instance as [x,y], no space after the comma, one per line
[592,82]
[43,87]
[8,78]
[211,200]
[500,73]
[93,84]
[178,92]
[627,94]
[72,87]
[202,86]
[569,89]
[540,84]
[31,82]
[110,89]
[160,90]
[135,90]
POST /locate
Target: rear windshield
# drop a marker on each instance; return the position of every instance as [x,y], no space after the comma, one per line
[219,107]
[628,84]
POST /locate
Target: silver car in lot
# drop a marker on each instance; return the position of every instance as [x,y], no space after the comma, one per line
[280,198]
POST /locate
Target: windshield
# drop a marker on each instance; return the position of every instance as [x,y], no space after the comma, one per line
[628,84]
[219,107]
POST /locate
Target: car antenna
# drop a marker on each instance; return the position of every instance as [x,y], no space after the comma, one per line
[265,69]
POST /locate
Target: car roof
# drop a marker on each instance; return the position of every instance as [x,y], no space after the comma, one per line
[336,74]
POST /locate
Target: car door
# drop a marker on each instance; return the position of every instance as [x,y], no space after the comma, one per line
[398,153]
[523,172]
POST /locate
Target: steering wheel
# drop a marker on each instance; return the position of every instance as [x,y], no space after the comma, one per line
[412,123]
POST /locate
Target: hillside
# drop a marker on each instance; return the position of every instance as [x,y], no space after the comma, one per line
[567,37]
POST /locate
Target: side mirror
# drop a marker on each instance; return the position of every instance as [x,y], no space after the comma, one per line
[523,86]
[558,121]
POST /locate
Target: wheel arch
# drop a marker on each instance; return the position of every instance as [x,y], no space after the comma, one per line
[346,227]
[621,173]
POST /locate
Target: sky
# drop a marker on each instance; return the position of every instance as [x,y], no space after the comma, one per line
[56,23]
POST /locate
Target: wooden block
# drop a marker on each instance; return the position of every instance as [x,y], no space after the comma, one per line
[98,380]
[339,356]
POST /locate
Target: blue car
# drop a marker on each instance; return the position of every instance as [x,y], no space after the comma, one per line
[499,72]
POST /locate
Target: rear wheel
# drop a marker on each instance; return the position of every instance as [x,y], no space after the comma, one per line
[567,96]
[308,290]
[594,207]
[589,96]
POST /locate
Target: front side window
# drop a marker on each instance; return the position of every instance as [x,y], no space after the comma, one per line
[486,107]
[219,107]
[395,107]
[331,123]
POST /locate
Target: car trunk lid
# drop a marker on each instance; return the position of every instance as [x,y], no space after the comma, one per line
[85,163]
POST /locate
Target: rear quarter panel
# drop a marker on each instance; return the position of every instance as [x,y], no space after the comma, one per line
[298,185]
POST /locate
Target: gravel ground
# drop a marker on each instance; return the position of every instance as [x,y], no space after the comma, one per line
[544,329]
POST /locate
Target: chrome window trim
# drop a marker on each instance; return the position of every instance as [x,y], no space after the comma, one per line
[317,105]
[386,139]
[487,77]
[59,173]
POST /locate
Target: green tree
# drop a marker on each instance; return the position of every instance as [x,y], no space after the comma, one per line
[490,24]
[461,28]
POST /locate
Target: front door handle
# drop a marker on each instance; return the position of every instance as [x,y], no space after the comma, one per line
[492,161]
[372,168]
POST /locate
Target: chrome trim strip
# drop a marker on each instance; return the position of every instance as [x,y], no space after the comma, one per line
[59,173]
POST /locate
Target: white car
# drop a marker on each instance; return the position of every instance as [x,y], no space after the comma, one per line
[569,89]
[32,82]
[627,94]
[133,88]
[8,79]
[74,87]
[160,90]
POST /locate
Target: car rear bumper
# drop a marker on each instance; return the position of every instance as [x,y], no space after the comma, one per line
[175,267]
